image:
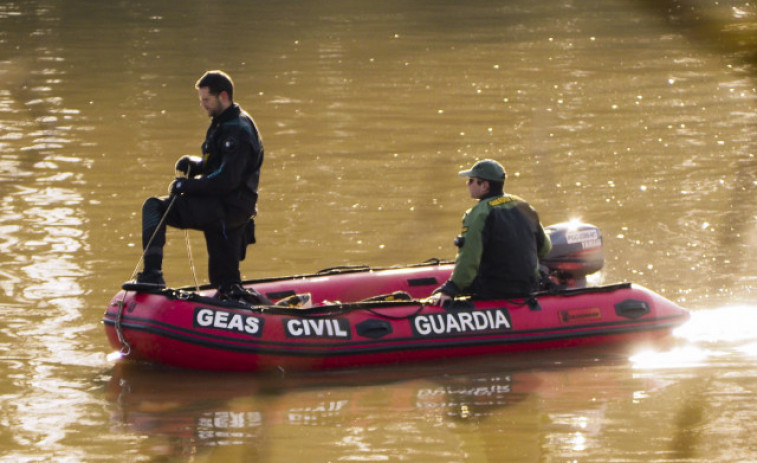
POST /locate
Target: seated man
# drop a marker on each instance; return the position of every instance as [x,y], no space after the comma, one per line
[500,244]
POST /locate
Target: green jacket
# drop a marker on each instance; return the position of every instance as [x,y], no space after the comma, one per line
[499,249]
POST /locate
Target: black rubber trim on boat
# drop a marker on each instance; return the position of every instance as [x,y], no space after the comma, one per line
[373,328]
[339,270]
[423,281]
[632,309]
[578,291]
[343,269]
[315,311]
[143,287]
[359,347]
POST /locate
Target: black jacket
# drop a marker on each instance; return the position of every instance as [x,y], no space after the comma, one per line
[232,155]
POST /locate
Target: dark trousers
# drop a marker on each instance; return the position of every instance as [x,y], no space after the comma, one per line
[223,233]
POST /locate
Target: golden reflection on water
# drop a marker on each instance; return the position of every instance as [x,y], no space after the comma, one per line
[677,358]
[714,336]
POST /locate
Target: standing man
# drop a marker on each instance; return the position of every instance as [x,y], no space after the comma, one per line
[218,195]
[500,244]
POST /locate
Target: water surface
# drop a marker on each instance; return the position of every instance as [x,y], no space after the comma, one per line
[634,116]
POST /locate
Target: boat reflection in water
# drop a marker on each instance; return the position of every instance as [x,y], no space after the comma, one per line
[189,411]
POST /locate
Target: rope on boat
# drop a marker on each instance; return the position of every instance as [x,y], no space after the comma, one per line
[125,347]
[149,242]
[191,260]
[421,306]
[186,240]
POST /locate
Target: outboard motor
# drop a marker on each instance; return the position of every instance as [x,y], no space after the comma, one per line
[576,252]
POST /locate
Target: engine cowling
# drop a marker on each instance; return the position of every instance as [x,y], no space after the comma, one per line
[576,252]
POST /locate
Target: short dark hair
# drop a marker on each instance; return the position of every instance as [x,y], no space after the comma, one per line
[496,187]
[217,82]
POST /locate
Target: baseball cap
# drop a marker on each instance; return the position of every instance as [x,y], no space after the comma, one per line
[486,170]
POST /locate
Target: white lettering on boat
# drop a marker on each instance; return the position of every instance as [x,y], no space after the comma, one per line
[315,413]
[472,391]
[317,328]
[220,319]
[461,322]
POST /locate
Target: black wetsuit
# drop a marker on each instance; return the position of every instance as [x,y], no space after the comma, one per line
[219,197]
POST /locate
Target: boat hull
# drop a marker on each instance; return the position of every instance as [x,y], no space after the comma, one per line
[187,330]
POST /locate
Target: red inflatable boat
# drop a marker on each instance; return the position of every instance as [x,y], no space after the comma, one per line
[364,316]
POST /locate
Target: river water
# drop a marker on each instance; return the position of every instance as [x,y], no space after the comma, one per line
[635,116]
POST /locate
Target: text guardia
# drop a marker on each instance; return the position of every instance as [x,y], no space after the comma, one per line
[461,322]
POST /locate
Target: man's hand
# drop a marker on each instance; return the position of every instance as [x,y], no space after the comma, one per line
[439,299]
[186,164]
[176,187]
